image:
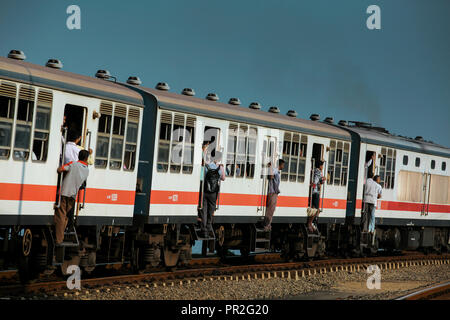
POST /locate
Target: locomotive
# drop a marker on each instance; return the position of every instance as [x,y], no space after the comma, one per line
[141,199]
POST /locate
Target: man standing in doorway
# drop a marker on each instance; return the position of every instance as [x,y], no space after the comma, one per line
[272,193]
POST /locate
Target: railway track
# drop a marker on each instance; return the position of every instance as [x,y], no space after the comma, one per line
[261,268]
[435,292]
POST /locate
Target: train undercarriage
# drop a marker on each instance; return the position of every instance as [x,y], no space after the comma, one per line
[31,249]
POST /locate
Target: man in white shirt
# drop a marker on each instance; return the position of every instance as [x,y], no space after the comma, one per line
[372,192]
[72,150]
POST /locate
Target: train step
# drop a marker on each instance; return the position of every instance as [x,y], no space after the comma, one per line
[262,239]
[202,237]
[70,239]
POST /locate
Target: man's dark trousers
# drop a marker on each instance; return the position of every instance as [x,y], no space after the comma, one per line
[209,206]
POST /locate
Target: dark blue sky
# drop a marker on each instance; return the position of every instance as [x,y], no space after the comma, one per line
[315,56]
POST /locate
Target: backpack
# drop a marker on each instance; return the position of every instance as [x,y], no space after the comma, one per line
[212,180]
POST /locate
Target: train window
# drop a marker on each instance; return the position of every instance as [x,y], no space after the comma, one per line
[417,162]
[344,171]
[286,155]
[165,132]
[42,125]
[337,166]
[241,151]
[188,153]
[231,149]
[118,134]
[338,163]
[24,120]
[251,153]
[129,161]
[7,104]
[405,160]
[444,165]
[382,167]
[433,164]
[331,163]
[103,135]
[302,158]
[293,165]
[177,143]
[294,153]
[394,159]
[387,167]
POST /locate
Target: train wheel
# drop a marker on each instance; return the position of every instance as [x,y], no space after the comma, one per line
[26,270]
[170,257]
[27,241]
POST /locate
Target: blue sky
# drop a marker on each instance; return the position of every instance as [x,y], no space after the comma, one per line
[314,56]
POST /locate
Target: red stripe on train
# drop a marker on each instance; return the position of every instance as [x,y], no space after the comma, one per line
[34,192]
[237,199]
[409,206]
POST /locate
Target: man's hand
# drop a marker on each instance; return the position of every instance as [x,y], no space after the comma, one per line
[90,151]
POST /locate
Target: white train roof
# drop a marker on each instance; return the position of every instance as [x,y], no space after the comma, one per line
[25,72]
[183,103]
[380,136]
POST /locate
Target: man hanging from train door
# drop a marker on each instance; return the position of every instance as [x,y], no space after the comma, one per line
[272,193]
[317,181]
[205,160]
[214,173]
[372,192]
[77,173]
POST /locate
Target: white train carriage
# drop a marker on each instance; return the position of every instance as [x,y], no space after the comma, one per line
[33,103]
[247,137]
[415,206]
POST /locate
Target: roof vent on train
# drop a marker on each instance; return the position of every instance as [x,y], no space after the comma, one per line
[315,117]
[103,74]
[255,106]
[234,101]
[17,54]
[54,63]
[188,92]
[292,113]
[135,81]
[163,86]
[419,138]
[342,123]
[274,109]
[329,120]
[212,97]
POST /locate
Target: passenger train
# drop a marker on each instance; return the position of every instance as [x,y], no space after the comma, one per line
[142,195]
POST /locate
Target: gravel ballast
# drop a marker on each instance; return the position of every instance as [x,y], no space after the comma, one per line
[331,285]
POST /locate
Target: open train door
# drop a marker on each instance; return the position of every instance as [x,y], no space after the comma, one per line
[75,120]
[211,134]
[268,155]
